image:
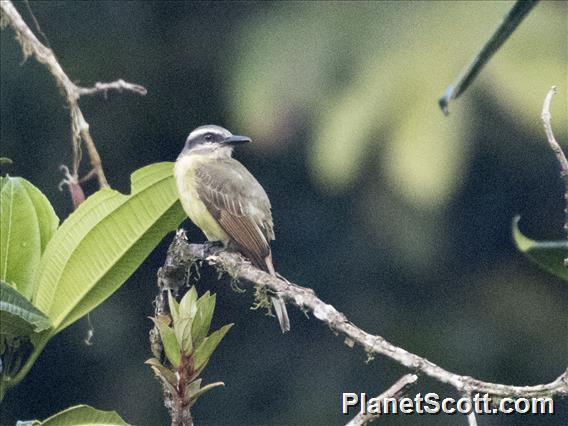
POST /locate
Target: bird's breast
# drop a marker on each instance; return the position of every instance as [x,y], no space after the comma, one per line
[184,172]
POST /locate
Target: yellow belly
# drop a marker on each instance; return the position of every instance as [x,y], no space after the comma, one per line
[184,172]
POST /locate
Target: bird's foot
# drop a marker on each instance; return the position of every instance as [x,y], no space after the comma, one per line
[209,245]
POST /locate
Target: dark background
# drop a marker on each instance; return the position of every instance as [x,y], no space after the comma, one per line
[412,245]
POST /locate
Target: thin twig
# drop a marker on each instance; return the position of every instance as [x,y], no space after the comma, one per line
[557,151]
[397,390]
[182,255]
[511,21]
[36,23]
[471,419]
[80,128]
[118,85]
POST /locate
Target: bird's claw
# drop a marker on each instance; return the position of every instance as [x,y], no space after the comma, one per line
[209,245]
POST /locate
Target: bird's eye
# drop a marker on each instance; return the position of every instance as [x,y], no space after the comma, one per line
[208,137]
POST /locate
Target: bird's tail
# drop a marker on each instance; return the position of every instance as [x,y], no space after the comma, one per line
[279,305]
[281,313]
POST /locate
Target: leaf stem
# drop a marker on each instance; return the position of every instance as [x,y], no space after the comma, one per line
[511,21]
[8,382]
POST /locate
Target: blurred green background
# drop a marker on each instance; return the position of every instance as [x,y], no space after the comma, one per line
[398,216]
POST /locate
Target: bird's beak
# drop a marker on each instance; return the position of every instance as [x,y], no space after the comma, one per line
[236,139]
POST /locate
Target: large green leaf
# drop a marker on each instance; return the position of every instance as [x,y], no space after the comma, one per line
[27,222]
[80,415]
[47,219]
[18,317]
[549,255]
[103,242]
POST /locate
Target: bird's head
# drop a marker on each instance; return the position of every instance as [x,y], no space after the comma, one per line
[211,139]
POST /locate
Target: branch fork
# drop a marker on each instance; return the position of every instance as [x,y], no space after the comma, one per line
[31,46]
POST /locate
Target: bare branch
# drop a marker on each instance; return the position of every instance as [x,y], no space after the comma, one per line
[181,256]
[395,391]
[118,85]
[557,151]
[73,185]
[471,419]
[31,46]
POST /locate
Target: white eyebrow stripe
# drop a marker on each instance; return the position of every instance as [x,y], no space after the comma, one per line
[209,129]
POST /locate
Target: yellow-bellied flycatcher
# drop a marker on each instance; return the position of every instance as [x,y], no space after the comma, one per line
[225,200]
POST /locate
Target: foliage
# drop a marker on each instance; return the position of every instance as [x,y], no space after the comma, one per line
[103,242]
[53,276]
[186,345]
[549,255]
[77,416]
[363,93]
[18,316]
[360,84]
[28,222]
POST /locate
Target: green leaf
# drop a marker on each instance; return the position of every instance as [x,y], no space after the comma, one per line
[170,342]
[27,222]
[161,371]
[188,304]
[209,344]
[204,389]
[549,255]
[47,219]
[18,317]
[182,330]
[83,415]
[5,161]
[187,309]
[174,307]
[203,317]
[193,387]
[104,241]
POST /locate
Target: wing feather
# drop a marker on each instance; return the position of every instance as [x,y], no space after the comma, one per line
[235,198]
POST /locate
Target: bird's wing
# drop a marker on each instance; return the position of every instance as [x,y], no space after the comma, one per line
[235,198]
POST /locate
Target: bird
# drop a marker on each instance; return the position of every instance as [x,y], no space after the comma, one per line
[226,201]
